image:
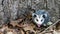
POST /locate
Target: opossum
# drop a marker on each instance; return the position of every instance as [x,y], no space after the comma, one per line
[41,17]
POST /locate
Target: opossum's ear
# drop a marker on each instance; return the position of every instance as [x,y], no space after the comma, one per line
[34,15]
[44,16]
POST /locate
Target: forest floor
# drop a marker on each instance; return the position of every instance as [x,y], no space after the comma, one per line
[27,28]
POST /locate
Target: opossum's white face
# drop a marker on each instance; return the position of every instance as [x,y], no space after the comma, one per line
[38,19]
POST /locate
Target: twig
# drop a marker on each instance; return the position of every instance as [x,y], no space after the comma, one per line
[50,26]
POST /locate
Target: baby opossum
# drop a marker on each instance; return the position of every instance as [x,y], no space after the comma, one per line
[41,17]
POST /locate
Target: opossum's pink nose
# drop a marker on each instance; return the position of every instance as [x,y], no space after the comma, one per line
[38,25]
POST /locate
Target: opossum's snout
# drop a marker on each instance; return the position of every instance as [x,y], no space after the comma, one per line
[39,25]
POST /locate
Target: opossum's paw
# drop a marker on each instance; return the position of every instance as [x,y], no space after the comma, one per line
[49,23]
[44,24]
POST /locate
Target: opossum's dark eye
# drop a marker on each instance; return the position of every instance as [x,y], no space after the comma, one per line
[41,20]
[43,16]
[35,16]
[36,19]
